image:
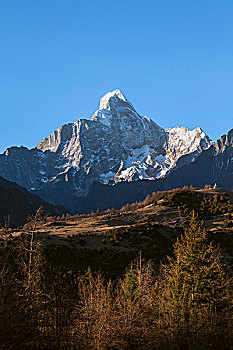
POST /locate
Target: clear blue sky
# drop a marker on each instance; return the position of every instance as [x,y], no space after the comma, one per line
[173,59]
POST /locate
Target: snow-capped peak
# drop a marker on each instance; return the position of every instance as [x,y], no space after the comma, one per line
[182,140]
[186,134]
[117,144]
[116,94]
[113,107]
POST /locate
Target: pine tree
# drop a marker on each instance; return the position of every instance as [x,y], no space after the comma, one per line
[192,287]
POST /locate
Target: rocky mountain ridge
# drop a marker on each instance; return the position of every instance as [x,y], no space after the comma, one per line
[214,166]
[115,145]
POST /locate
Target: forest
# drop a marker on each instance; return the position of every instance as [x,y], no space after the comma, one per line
[185,303]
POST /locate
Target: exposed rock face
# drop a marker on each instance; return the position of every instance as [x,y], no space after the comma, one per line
[182,141]
[223,161]
[116,145]
[106,147]
[213,166]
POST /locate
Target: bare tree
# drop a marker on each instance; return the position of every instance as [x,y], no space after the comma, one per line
[93,312]
[134,313]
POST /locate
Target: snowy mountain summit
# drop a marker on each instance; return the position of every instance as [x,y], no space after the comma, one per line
[116,144]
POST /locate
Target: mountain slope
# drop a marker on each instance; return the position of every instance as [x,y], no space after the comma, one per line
[18,203]
[214,165]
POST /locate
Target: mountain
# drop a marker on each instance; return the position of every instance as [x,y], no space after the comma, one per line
[214,166]
[18,203]
[115,145]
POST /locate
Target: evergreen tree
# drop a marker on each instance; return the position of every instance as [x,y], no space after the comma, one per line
[192,290]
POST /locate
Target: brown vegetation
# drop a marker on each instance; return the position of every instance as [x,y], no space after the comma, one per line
[187,305]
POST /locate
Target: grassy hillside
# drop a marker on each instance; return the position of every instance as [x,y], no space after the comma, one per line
[96,281]
[108,241]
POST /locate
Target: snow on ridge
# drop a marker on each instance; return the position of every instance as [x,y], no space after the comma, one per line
[182,140]
[185,132]
[103,117]
[104,102]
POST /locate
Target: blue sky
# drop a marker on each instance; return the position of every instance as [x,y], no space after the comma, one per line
[173,59]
